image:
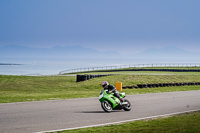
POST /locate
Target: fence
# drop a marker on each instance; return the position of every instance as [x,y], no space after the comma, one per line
[130,66]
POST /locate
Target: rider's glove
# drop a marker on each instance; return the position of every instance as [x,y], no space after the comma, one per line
[108,92]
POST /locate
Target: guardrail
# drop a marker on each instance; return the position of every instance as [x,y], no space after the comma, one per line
[130,66]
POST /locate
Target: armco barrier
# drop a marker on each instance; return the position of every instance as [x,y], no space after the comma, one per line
[164,70]
[138,67]
[140,86]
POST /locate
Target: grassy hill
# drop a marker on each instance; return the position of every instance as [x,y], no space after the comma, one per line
[37,88]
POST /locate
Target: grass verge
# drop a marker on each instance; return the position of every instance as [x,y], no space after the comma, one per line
[27,88]
[184,123]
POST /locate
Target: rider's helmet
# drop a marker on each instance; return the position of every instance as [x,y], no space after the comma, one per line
[104,83]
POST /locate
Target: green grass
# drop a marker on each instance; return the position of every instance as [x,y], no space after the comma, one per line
[22,88]
[27,88]
[185,123]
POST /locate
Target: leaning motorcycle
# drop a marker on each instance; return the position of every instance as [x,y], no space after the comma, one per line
[109,102]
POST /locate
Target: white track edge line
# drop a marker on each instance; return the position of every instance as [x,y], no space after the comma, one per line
[150,117]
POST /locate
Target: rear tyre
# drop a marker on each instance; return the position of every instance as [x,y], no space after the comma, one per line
[127,107]
[106,106]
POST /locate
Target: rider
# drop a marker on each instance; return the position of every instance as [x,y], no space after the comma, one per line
[111,88]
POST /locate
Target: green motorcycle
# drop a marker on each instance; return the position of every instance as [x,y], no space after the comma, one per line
[109,102]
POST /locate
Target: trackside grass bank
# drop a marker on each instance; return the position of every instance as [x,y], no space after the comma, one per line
[185,123]
[31,88]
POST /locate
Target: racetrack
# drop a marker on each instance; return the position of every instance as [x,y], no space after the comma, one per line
[64,114]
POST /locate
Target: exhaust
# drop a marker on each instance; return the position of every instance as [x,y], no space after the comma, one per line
[124,103]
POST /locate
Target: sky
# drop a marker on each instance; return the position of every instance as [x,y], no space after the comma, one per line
[125,26]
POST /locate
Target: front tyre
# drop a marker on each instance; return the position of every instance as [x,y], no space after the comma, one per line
[127,107]
[106,106]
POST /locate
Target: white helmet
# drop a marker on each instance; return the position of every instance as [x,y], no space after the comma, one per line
[104,83]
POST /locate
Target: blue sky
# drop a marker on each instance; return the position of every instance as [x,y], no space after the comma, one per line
[125,26]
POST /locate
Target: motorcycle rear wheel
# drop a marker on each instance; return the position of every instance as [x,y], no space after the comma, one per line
[106,106]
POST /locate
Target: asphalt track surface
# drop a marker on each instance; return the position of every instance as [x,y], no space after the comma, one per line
[66,114]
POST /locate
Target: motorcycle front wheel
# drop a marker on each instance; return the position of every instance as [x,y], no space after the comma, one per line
[106,106]
[127,107]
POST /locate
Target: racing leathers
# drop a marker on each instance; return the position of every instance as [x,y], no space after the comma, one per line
[111,88]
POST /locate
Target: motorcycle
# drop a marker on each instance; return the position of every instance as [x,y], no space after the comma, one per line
[109,102]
